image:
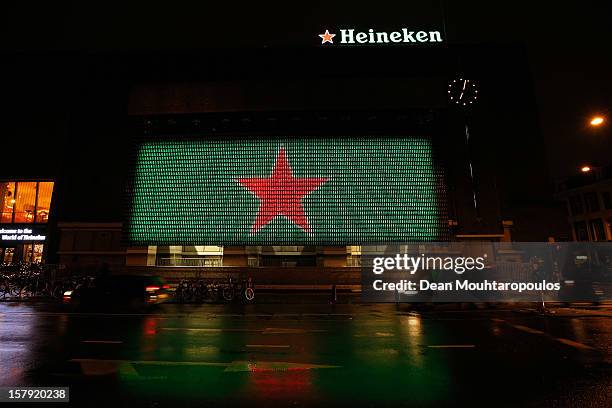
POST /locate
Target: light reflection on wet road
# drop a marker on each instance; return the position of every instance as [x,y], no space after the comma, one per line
[308,354]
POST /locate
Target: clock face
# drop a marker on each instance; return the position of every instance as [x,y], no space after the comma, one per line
[462,92]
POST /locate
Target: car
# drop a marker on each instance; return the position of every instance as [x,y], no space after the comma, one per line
[121,290]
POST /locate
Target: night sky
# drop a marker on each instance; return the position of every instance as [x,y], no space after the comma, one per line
[567,42]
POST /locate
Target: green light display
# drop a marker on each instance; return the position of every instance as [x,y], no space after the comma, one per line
[334,191]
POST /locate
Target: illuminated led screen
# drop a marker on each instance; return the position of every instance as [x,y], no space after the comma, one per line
[334,191]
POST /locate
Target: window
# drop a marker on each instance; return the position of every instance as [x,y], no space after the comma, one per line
[8,255]
[253,261]
[597,228]
[7,201]
[33,253]
[592,203]
[37,255]
[25,201]
[43,205]
[575,202]
[607,200]
[353,260]
[25,206]
[581,231]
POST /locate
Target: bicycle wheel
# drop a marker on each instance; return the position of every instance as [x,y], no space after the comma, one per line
[213,293]
[228,293]
[200,293]
[249,294]
[182,292]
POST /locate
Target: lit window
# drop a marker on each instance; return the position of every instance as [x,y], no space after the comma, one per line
[45,190]
[7,201]
[25,202]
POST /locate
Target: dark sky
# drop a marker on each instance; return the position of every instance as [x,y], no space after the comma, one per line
[568,44]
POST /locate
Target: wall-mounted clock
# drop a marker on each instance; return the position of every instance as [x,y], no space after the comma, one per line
[463,92]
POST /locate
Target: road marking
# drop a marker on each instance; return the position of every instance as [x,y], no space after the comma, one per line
[452,346]
[527,329]
[282,330]
[211,330]
[350,316]
[237,366]
[561,340]
[103,341]
[267,330]
[268,345]
[147,362]
[105,367]
[573,343]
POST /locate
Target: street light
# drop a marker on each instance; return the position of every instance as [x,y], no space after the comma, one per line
[585,169]
[597,120]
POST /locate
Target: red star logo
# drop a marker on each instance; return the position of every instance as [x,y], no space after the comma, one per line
[281,194]
[327,37]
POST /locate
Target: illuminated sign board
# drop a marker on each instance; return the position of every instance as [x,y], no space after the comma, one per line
[286,190]
[20,234]
[351,36]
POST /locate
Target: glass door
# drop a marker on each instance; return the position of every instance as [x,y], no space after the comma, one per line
[37,253]
[27,253]
[7,257]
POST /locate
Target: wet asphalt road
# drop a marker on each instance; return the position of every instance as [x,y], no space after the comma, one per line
[308,355]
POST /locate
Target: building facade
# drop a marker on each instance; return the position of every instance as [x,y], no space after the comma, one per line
[369,143]
[25,209]
[588,200]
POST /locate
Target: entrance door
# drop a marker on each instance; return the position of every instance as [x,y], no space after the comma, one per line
[37,253]
[7,257]
[33,253]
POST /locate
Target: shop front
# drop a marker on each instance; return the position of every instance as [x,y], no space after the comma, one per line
[24,220]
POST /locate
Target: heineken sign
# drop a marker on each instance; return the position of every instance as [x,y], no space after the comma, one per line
[335,191]
[351,36]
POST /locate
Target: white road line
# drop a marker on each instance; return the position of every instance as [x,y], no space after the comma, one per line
[561,340]
[268,345]
[149,362]
[527,329]
[452,346]
[573,343]
[98,366]
[207,330]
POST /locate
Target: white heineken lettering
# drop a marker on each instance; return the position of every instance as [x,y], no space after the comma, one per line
[371,35]
[434,36]
[382,37]
[408,36]
[362,38]
[396,36]
[347,36]
[350,36]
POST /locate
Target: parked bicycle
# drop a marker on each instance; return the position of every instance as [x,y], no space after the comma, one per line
[213,291]
[31,280]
